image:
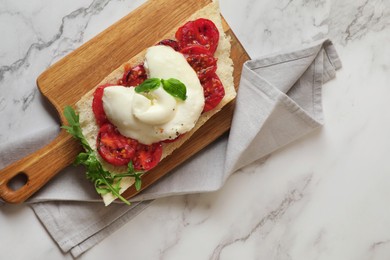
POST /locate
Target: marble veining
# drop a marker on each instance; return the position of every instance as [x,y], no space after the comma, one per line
[260,228]
[322,197]
[365,17]
[38,51]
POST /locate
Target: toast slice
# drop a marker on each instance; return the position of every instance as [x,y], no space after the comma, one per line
[224,71]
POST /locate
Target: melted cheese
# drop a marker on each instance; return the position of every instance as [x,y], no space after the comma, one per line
[157,115]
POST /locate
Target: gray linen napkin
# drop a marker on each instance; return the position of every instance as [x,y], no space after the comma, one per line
[279,101]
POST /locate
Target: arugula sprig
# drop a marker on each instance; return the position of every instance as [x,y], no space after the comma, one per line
[104,181]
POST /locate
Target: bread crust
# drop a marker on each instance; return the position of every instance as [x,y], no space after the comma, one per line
[224,71]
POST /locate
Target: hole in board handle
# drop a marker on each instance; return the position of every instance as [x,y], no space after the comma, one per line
[18,181]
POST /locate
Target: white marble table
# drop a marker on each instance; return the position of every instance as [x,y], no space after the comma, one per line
[325,196]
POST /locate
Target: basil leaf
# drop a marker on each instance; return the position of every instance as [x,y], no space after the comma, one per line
[148,85]
[175,87]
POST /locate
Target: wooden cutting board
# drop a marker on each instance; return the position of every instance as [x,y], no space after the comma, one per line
[65,82]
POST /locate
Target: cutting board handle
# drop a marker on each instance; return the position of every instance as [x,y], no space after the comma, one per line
[38,168]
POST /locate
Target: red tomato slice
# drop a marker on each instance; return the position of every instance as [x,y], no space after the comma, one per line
[171,43]
[133,76]
[113,147]
[147,156]
[200,60]
[213,91]
[97,105]
[195,50]
[199,32]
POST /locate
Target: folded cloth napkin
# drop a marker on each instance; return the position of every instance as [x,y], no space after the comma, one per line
[279,101]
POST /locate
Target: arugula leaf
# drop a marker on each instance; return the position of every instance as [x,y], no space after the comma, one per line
[148,85]
[104,181]
[175,87]
[74,127]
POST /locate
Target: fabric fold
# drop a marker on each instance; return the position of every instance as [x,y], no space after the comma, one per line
[72,224]
[278,102]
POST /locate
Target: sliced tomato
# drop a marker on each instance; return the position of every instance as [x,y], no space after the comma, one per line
[97,105]
[200,60]
[213,91]
[147,156]
[171,43]
[199,32]
[113,147]
[195,50]
[133,76]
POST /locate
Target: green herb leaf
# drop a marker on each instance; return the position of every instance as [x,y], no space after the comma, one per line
[81,158]
[74,127]
[71,116]
[137,184]
[175,87]
[148,85]
[130,167]
[104,181]
[101,191]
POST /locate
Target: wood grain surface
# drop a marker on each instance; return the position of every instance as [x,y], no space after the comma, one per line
[65,82]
